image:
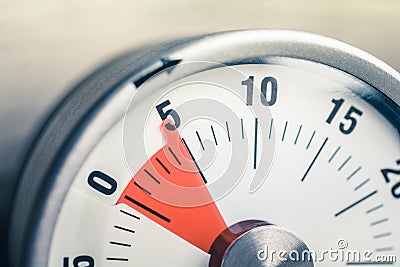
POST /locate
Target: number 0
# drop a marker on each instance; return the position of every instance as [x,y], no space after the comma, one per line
[108,185]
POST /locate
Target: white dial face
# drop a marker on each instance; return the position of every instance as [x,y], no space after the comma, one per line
[290,143]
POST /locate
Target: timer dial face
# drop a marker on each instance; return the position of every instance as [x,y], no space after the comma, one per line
[300,146]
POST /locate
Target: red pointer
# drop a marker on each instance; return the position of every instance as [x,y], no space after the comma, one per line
[170,190]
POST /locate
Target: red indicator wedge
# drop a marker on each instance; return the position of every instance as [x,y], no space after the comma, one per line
[170,190]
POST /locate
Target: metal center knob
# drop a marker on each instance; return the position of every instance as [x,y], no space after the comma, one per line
[257,243]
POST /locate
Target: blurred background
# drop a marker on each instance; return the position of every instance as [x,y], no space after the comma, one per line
[47,46]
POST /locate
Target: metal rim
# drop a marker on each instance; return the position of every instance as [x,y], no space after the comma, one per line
[224,46]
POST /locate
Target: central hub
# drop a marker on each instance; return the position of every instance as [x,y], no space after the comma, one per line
[258,243]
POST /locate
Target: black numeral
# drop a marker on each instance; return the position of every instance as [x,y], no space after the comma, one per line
[392,172]
[249,93]
[338,103]
[350,118]
[268,90]
[164,114]
[109,187]
[79,261]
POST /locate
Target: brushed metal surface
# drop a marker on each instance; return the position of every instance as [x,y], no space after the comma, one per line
[267,245]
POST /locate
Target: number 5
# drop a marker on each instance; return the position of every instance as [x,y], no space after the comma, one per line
[353,120]
[164,114]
